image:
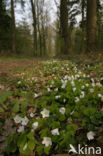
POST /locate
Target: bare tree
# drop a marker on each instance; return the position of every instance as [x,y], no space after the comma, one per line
[34,26]
[13,27]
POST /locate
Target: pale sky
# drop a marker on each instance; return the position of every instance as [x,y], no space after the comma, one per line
[28,16]
[27,13]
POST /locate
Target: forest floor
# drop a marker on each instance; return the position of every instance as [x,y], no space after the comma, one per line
[27,86]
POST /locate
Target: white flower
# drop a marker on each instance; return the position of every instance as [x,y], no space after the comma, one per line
[90,135]
[82,87]
[72,83]
[45,113]
[25,147]
[91,90]
[100,95]
[66,77]
[47,141]
[35,125]
[87,84]
[62,110]
[32,78]
[63,85]
[72,77]
[35,95]
[102,98]
[77,76]
[99,84]
[17,119]
[93,84]
[82,94]
[56,89]
[74,89]
[20,129]
[92,80]
[76,99]
[57,97]
[48,89]
[25,121]
[32,115]
[19,82]
[55,131]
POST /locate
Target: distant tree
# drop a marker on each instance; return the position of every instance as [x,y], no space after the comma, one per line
[100,24]
[83,10]
[34,25]
[5,28]
[13,27]
[91,25]
[64,28]
[24,42]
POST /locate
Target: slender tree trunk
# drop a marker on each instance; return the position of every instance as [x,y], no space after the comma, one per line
[40,40]
[83,25]
[34,26]
[13,27]
[43,36]
[64,28]
[39,31]
[91,25]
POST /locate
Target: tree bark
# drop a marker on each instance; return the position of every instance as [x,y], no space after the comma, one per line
[83,24]
[91,25]
[64,28]
[39,31]
[34,26]
[13,27]
[43,36]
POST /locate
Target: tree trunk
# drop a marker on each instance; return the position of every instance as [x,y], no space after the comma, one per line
[64,28]
[40,40]
[34,26]
[91,25]
[83,25]
[13,27]
[39,31]
[43,36]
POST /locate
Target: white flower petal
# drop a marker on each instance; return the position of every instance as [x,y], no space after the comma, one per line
[90,135]
[55,131]
[62,110]
[47,141]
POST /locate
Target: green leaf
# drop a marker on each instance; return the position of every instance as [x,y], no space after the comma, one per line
[15,108]
[44,132]
[40,149]
[21,140]
[47,149]
[30,136]
[55,124]
[31,144]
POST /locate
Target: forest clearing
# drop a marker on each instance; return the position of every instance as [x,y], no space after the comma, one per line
[71,93]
